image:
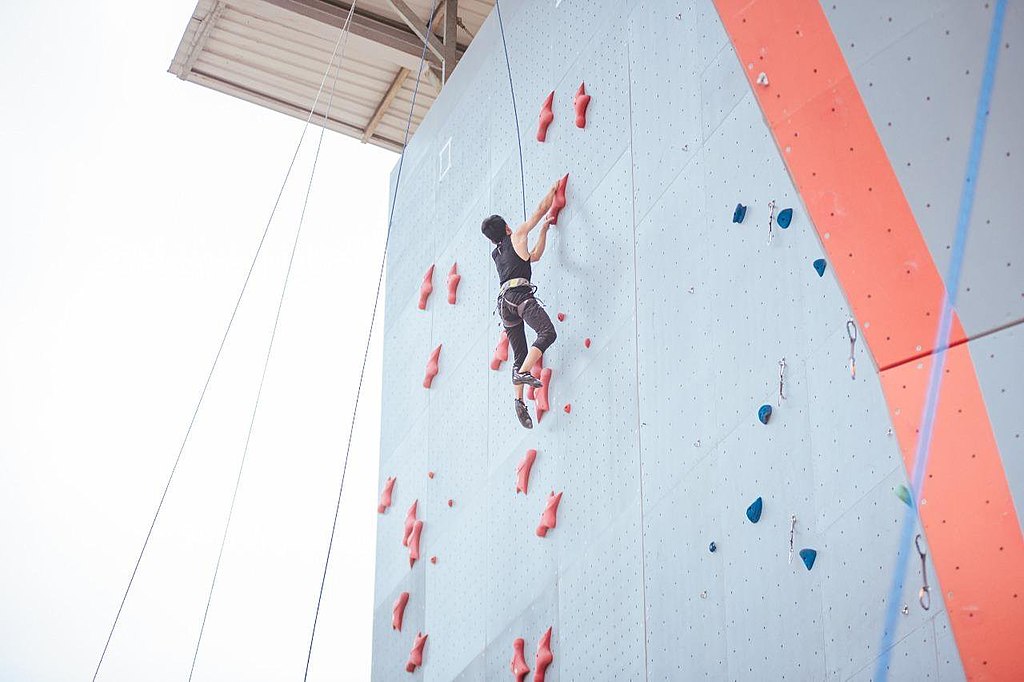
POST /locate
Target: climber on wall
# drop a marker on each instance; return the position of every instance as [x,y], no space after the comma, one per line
[516,303]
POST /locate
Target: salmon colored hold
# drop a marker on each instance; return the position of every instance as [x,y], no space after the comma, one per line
[568,408]
[580,103]
[398,611]
[430,474]
[385,495]
[414,542]
[410,521]
[561,317]
[433,559]
[523,471]
[542,393]
[432,369]
[426,288]
[546,117]
[559,202]
[453,283]
[544,657]
[586,342]
[538,367]
[500,352]
[518,665]
[549,518]
[416,655]
[451,503]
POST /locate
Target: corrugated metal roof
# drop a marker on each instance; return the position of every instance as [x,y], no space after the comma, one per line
[274,53]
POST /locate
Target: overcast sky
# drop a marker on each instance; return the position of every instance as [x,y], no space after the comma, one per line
[132,203]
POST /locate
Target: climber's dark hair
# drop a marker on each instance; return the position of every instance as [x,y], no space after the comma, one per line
[494,228]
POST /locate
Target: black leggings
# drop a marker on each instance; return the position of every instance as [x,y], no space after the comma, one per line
[532,313]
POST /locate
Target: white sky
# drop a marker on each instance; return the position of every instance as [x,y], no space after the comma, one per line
[131,205]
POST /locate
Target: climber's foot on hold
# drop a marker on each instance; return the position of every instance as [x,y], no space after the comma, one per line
[523,412]
[519,378]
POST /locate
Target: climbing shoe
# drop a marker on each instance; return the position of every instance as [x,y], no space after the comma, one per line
[519,378]
[523,412]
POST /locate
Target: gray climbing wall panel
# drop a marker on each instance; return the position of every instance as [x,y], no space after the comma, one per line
[689,316]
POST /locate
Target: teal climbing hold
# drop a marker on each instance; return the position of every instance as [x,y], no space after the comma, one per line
[785,217]
[712,548]
[754,510]
[739,213]
[764,414]
[808,555]
[819,266]
[903,493]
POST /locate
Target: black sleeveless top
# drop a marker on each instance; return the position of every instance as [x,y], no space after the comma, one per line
[511,266]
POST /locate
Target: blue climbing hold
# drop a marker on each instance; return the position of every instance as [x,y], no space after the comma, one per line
[903,493]
[785,217]
[808,555]
[712,548]
[819,266]
[739,213]
[754,510]
[764,414]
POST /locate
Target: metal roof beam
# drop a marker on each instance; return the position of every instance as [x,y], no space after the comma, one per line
[385,103]
[364,24]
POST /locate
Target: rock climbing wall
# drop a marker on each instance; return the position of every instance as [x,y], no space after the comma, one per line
[681,325]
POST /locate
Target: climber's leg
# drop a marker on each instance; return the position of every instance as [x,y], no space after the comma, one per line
[516,332]
[533,314]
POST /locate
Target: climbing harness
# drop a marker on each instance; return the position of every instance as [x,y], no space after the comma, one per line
[851,332]
[771,219]
[924,595]
[512,284]
[792,535]
[782,370]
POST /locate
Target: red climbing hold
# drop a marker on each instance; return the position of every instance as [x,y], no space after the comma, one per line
[500,352]
[544,656]
[536,370]
[561,317]
[579,103]
[428,379]
[586,342]
[451,503]
[523,471]
[410,521]
[430,474]
[546,117]
[385,495]
[568,408]
[416,655]
[542,393]
[559,203]
[453,282]
[433,559]
[398,611]
[426,288]
[518,665]
[548,519]
[414,542]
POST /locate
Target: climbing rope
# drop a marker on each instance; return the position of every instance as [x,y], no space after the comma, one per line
[273,334]
[213,366]
[369,338]
[952,281]
[515,110]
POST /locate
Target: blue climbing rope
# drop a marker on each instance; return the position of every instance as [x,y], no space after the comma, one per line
[942,336]
[369,338]
[515,110]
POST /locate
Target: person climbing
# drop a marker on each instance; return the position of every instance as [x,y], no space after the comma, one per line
[516,302]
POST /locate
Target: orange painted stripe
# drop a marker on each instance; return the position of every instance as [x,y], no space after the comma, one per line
[839,165]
